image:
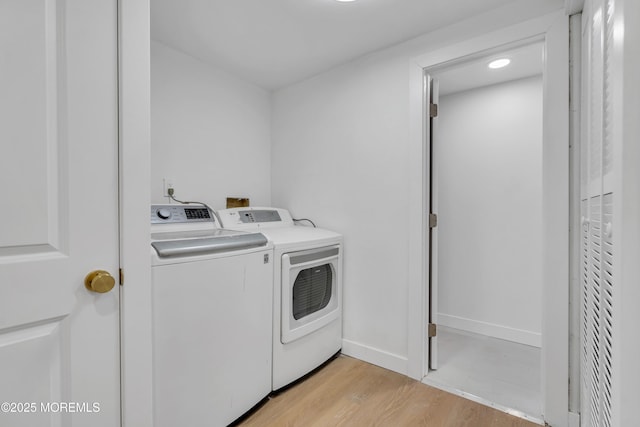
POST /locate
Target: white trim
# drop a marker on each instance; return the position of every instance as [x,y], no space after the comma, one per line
[626,99]
[375,356]
[575,291]
[554,29]
[572,7]
[418,244]
[521,336]
[574,419]
[135,163]
[523,31]
[555,211]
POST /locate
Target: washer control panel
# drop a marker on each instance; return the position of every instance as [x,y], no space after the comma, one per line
[171,214]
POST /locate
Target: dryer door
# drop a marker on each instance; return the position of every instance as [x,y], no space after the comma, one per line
[311,290]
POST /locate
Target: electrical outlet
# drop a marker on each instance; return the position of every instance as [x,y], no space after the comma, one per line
[167,183]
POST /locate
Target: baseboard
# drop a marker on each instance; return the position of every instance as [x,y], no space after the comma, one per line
[574,419]
[390,361]
[490,329]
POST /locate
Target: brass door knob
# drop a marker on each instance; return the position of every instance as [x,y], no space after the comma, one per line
[99,281]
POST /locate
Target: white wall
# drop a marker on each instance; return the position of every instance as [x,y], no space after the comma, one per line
[489,155]
[210,132]
[340,155]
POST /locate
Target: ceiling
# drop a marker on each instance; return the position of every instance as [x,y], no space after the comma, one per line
[526,61]
[274,43]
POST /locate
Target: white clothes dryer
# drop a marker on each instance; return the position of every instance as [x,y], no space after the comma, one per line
[307,292]
[211,327]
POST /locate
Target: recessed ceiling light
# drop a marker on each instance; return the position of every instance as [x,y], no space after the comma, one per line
[499,63]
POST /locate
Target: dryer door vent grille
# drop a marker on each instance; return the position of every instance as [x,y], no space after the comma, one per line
[312,290]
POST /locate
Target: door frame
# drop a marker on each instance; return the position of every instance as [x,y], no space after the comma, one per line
[553,29]
[134,81]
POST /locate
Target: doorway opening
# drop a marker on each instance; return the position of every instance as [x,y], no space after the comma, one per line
[486,249]
[553,31]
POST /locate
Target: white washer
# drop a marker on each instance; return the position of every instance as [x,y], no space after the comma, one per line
[307,296]
[211,326]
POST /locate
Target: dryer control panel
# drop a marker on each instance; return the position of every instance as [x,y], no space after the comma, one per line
[259,216]
[252,218]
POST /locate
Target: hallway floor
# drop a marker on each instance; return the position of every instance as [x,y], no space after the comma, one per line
[503,374]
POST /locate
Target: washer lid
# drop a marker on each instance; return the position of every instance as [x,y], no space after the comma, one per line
[208,245]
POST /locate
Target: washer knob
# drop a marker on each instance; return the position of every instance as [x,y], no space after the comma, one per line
[164,213]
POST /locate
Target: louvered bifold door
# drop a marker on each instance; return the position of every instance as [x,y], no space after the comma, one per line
[597,249]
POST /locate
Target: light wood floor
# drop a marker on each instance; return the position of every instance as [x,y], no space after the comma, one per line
[349,392]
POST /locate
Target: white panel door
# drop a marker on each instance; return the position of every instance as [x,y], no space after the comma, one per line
[432,123]
[59,342]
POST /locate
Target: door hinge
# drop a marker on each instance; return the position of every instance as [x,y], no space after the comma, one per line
[432,330]
[121,274]
[433,110]
[433,220]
